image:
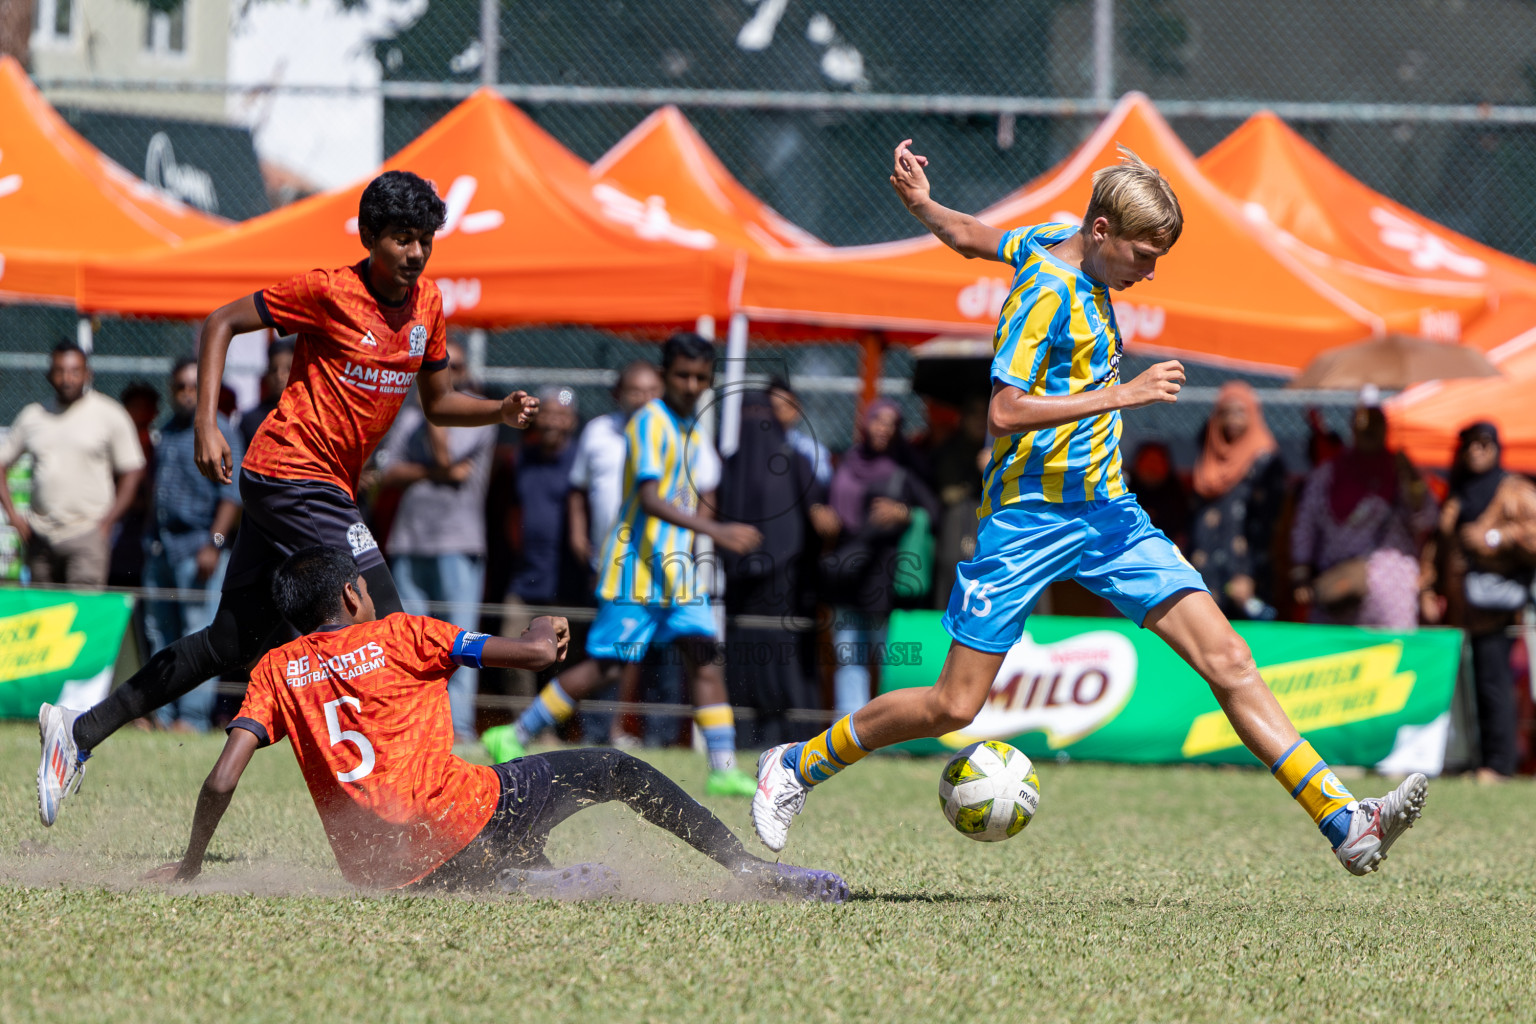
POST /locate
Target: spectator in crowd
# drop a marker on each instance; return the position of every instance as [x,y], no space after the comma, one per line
[597,470]
[766,483]
[958,465]
[142,403]
[279,363]
[1158,491]
[869,507]
[1239,481]
[186,545]
[786,406]
[1355,542]
[543,574]
[436,542]
[1486,545]
[544,571]
[86,468]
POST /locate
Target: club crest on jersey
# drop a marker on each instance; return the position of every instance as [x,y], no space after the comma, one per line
[418,341]
[360,539]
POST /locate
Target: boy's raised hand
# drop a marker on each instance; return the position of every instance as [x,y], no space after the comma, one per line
[909,179]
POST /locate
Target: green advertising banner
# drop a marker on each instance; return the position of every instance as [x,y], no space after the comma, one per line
[57,646]
[1105,690]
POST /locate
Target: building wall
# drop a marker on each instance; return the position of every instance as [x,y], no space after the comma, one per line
[106,39]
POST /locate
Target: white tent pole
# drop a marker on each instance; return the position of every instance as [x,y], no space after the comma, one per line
[735,374]
[1103,50]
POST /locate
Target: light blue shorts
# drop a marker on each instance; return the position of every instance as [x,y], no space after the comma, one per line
[1110,547]
[624,630]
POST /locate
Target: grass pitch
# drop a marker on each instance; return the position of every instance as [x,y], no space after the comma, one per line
[1138,894]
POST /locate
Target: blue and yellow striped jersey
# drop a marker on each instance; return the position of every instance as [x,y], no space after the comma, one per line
[1056,336]
[644,559]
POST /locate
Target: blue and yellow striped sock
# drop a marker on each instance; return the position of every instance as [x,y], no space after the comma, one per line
[823,756]
[552,707]
[1317,789]
[718,724]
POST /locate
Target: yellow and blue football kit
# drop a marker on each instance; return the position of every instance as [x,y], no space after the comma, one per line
[1054,501]
[647,588]
[1055,506]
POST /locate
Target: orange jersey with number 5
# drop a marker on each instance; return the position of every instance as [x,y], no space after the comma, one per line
[365,708]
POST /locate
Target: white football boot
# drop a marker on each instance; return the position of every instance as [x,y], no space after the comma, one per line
[780,796]
[1378,821]
[62,765]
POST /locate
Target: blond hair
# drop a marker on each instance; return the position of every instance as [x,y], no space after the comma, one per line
[1137,201]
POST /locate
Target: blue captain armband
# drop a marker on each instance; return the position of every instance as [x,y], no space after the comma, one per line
[467,647]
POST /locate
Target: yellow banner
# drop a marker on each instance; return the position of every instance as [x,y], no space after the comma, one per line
[35,643]
[1317,693]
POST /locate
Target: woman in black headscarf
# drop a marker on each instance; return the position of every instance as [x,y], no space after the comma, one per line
[1487,546]
[770,485]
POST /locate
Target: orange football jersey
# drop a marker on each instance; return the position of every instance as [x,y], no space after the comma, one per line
[355,361]
[365,708]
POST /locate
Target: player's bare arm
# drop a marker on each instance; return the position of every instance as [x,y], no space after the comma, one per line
[542,644]
[447,407]
[960,231]
[212,801]
[737,537]
[211,451]
[1015,411]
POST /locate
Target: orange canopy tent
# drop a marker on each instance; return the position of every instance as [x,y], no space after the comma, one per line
[1425,420]
[530,238]
[1339,225]
[61,200]
[664,159]
[1229,292]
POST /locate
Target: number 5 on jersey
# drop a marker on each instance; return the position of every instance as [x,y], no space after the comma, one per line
[340,735]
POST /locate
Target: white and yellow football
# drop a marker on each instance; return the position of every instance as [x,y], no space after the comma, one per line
[989,791]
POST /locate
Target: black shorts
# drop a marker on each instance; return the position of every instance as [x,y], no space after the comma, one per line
[515,836]
[284,516]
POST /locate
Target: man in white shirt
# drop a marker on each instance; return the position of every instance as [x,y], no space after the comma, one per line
[597,476]
[86,467]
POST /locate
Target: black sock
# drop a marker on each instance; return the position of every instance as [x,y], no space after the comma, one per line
[593,776]
[246,625]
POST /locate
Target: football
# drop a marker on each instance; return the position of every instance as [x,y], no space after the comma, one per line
[989,791]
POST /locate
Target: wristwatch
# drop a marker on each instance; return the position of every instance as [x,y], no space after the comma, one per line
[1492,538]
[217,540]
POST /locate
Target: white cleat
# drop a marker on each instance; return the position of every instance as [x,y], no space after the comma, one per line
[1378,822]
[780,796]
[62,765]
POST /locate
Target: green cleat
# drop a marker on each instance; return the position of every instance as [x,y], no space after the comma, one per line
[730,782]
[501,743]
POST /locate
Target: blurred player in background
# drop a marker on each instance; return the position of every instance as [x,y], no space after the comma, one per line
[1055,506]
[365,333]
[363,702]
[647,587]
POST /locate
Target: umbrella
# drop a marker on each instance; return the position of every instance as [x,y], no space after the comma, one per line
[1393,363]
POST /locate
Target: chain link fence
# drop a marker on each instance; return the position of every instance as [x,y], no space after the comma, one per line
[1428,101]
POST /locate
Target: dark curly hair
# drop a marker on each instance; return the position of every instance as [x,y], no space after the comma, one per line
[400,199]
[307,586]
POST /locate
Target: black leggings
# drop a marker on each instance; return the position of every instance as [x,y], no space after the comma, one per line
[1495,685]
[245,627]
[541,791]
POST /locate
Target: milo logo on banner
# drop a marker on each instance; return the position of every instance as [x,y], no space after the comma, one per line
[1066,690]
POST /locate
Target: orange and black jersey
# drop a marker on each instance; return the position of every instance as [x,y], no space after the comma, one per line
[355,360]
[365,708]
